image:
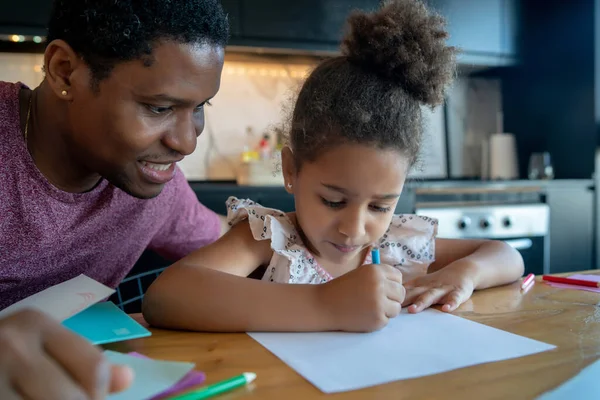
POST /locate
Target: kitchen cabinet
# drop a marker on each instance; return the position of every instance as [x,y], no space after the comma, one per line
[571,226]
[484,30]
[24,17]
[305,21]
[233,9]
[214,196]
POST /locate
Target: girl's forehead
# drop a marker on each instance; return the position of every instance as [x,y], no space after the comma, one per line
[361,168]
[358,156]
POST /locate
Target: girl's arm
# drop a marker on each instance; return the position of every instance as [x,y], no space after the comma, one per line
[208,291]
[462,266]
[489,262]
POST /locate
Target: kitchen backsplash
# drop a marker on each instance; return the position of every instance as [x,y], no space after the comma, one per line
[257,93]
[26,68]
[474,106]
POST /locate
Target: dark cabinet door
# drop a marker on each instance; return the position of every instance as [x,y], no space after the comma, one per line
[298,21]
[474,25]
[232,8]
[24,17]
[571,228]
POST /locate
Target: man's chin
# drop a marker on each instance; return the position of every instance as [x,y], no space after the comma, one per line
[139,190]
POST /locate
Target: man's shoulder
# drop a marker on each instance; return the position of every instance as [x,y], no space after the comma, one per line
[9,105]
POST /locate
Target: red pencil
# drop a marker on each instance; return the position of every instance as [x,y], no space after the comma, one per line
[569,281]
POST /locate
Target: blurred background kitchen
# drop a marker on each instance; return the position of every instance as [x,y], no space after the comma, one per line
[511,155]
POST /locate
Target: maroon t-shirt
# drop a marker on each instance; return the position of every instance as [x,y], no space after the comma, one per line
[48,236]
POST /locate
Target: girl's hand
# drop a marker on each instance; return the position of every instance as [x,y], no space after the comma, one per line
[450,286]
[365,299]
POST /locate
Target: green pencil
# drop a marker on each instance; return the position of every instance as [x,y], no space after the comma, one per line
[218,388]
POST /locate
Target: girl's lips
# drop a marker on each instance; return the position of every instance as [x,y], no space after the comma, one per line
[344,248]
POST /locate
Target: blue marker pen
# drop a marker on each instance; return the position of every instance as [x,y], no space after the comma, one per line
[375,256]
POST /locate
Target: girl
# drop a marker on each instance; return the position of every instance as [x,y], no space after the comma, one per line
[355,132]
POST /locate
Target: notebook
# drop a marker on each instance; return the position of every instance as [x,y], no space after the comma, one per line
[152,377]
[63,300]
[105,323]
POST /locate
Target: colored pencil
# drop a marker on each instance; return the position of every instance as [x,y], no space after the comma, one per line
[218,388]
[526,288]
[528,279]
[375,256]
[569,281]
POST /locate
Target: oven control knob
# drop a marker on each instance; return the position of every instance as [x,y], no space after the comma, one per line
[464,223]
[507,222]
[485,223]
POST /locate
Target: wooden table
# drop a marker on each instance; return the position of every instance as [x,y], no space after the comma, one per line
[569,319]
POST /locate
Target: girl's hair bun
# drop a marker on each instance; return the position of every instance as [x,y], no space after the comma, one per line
[405,43]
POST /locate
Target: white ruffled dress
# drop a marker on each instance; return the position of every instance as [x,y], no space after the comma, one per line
[408,244]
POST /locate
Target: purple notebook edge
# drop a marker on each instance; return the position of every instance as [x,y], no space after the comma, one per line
[592,278]
[193,378]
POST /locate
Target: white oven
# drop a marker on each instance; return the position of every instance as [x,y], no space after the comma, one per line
[523,226]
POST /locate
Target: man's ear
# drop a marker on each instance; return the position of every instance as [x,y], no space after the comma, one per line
[60,65]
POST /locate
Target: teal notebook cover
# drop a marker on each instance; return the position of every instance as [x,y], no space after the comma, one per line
[105,323]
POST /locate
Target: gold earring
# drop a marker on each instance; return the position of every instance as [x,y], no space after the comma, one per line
[64,93]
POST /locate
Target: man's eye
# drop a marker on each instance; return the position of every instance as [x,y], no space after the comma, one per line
[201,106]
[157,110]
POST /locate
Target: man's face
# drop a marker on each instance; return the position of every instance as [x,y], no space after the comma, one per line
[143,119]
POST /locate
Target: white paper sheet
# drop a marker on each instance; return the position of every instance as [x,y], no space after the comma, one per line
[151,377]
[412,345]
[583,386]
[65,299]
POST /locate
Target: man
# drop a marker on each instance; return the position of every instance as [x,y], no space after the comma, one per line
[88,178]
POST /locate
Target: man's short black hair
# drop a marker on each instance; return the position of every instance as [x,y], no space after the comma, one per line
[107,32]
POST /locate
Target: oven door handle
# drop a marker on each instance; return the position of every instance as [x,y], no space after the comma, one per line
[520,244]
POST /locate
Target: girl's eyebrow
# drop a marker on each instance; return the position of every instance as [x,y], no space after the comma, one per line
[338,189]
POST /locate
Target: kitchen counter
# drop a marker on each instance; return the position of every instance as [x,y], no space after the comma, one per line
[448,184]
[515,185]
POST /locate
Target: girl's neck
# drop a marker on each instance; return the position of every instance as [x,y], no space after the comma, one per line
[334,269]
[337,270]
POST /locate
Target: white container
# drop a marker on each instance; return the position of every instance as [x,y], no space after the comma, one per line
[503,156]
[499,157]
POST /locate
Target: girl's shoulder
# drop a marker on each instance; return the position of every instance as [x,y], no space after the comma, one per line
[265,223]
[409,242]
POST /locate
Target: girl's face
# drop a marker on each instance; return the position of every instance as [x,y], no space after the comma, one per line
[345,199]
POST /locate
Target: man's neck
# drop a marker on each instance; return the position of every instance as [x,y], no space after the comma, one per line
[48,135]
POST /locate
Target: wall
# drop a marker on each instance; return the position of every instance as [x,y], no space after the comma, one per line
[549,98]
[474,112]
[26,68]
[257,92]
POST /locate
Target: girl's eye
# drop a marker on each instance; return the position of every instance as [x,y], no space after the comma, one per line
[381,209]
[157,110]
[332,204]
